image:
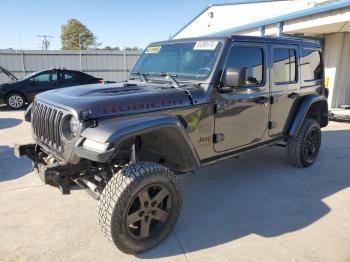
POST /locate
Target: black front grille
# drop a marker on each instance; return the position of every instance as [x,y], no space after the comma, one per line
[46,122]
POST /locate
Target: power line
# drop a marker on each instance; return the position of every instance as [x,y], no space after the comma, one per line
[45,42]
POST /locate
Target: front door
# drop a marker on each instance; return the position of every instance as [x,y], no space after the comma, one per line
[40,83]
[284,85]
[241,117]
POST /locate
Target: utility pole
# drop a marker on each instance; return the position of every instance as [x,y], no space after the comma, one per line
[124,56]
[45,42]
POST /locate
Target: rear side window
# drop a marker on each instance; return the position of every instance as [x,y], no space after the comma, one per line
[68,76]
[311,66]
[250,58]
[284,65]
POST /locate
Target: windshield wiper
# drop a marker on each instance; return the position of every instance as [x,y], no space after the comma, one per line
[142,75]
[171,77]
[176,84]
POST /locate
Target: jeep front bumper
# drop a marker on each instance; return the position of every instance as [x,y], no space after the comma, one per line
[58,174]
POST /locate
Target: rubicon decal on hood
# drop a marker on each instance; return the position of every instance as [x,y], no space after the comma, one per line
[141,106]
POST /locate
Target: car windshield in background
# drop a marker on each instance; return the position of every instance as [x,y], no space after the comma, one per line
[188,61]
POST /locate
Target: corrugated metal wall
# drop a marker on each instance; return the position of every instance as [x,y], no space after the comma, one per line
[337,68]
[110,65]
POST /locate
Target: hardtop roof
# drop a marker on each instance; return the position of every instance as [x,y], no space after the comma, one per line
[241,38]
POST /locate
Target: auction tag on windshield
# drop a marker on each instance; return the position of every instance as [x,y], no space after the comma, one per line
[153,50]
[205,45]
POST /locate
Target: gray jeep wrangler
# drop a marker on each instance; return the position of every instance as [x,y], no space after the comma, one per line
[188,103]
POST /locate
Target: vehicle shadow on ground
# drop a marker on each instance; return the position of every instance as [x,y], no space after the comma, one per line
[4,108]
[12,167]
[260,193]
[9,122]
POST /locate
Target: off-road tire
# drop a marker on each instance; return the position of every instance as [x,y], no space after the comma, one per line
[296,144]
[14,99]
[119,192]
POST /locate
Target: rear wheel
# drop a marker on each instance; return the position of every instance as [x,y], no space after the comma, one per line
[139,206]
[15,101]
[303,149]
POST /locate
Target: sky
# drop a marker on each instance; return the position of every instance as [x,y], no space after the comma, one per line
[115,23]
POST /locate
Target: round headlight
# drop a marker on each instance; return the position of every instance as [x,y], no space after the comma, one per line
[69,127]
[74,125]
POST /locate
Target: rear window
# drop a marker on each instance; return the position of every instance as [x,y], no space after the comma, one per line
[311,66]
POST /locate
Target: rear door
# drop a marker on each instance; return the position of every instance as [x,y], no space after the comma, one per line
[70,78]
[65,79]
[284,85]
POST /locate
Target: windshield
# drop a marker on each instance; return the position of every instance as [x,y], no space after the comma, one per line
[27,76]
[188,61]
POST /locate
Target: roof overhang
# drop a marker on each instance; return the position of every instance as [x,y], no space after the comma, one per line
[218,17]
[318,20]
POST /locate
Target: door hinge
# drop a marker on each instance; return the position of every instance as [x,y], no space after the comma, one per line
[217,138]
[272,124]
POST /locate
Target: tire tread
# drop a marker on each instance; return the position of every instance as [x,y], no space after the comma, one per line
[295,144]
[115,197]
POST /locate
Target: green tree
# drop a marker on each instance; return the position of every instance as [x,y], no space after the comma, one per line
[76,36]
[107,47]
[132,49]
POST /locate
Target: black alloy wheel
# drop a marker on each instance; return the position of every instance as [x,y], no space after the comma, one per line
[149,211]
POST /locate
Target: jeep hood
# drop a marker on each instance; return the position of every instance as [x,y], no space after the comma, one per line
[105,100]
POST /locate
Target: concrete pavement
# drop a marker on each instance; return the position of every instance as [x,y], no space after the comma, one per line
[256,208]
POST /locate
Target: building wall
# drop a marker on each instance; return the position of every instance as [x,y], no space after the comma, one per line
[233,15]
[109,65]
[337,67]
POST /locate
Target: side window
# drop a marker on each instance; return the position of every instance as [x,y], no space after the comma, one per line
[43,77]
[284,65]
[311,66]
[67,76]
[71,76]
[250,58]
[54,76]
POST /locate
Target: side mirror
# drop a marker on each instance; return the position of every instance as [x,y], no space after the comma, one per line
[235,77]
[32,81]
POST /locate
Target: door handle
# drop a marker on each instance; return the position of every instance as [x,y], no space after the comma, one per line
[262,100]
[293,95]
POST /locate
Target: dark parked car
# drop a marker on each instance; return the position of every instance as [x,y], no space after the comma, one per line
[189,103]
[20,91]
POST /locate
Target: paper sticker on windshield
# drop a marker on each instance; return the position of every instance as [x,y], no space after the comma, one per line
[205,45]
[153,50]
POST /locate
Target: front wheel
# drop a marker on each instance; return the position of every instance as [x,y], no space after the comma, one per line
[15,101]
[139,206]
[303,149]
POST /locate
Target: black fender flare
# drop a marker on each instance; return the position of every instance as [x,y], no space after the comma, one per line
[304,108]
[116,130]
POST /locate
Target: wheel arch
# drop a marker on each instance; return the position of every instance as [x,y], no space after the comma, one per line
[163,140]
[314,107]
[16,92]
